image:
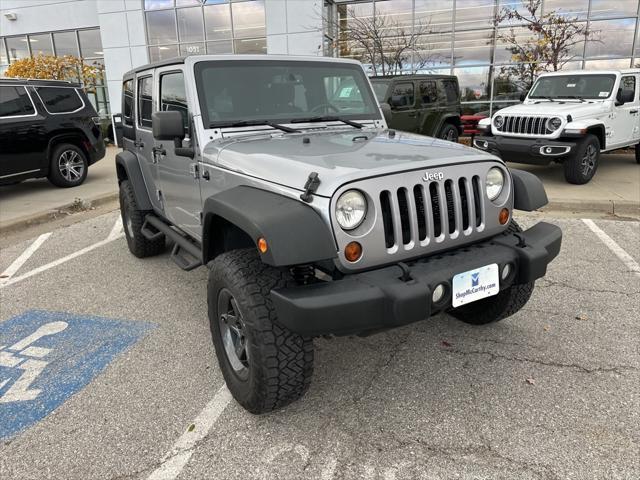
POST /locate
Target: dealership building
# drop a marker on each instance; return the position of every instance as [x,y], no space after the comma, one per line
[458,35]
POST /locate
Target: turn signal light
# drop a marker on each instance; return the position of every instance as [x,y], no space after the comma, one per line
[262,245]
[353,251]
[503,217]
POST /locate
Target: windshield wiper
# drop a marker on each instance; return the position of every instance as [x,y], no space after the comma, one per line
[257,123]
[574,97]
[327,119]
[551,99]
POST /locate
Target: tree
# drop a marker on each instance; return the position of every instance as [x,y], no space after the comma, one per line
[549,47]
[49,67]
[389,46]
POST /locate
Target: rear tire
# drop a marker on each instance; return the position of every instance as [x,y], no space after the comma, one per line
[68,166]
[500,306]
[449,132]
[265,365]
[580,167]
[132,221]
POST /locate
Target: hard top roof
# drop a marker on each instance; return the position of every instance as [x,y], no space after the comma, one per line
[410,77]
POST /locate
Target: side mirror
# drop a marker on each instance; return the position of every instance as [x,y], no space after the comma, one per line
[386,111]
[168,126]
[624,96]
[398,101]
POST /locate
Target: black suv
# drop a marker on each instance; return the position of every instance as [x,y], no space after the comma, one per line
[424,104]
[48,128]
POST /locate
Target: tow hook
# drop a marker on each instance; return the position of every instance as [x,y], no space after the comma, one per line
[521,243]
[406,272]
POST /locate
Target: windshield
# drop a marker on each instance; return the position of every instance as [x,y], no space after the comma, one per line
[380,89]
[281,91]
[574,86]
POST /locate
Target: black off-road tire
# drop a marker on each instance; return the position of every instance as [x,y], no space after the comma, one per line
[56,176]
[500,306]
[132,221]
[638,153]
[449,132]
[279,362]
[575,170]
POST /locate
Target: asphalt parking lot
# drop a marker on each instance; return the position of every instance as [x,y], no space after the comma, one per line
[118,379]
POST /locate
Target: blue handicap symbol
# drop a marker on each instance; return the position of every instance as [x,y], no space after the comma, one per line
[475,279]
[45,357]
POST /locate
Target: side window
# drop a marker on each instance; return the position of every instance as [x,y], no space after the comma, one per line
[629,83]
[428,92]
[60,99]
[173,96]
[15,102]
[402,95]
[127,103]
[451,91]
[145,101]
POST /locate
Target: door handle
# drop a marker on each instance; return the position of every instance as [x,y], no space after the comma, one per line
[633,112]
[138,143]
[206,175]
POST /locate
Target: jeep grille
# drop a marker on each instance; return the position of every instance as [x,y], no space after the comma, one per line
[525,125]
[409,217]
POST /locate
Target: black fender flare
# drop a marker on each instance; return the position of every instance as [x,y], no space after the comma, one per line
[528,191]
[128,168]
[446,119]
[295,232]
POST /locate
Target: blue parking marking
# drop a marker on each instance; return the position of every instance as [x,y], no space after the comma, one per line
[46,357]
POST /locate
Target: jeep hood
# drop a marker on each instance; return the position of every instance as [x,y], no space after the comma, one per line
[338,156]
[555,109]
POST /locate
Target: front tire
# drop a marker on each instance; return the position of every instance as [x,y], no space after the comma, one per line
[500,306]
[449,132]
[67,166]
[265,365]
[132,221]
[580,167]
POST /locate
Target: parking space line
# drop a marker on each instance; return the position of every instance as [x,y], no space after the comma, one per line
[180,454]
[21,260]
[117,228]
[613,246]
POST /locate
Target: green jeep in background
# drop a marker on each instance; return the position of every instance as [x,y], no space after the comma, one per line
[424,104]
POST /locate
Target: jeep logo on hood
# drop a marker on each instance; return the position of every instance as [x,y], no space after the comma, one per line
[428,176]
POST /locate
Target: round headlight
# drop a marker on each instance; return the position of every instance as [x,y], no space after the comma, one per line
[554,124]
[351,209]
[498,121]
[494,183]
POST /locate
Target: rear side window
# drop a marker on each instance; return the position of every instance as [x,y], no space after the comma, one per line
[127,102]
[60,99]
[428,92]
[451,90]
[15,102]
[145,101]
[173,96]
[403,95]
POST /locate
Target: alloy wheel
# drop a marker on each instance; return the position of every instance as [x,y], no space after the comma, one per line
[233,333]
[589,160]
[70,165]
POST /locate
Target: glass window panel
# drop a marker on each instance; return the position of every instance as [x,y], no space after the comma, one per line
[41,44]
[190,28]
[192,48]
[474,83]
[60,100]
[145,101]
[614,64]
[162,52]
[215,2]
[515,6]
[613,8]
[3,53]
[615,38]
[90,43]
[14,101]
[474,14]
[161,27]
[17,47]
[480,109]
[217,20]
[248,19]
[98,63]
[173,96]
[569,8]
[433,51]
[187,3]
[155,4]
[503,52]
[403,95]
[473,47]
[220,48]
[252,46]
[435,15]
[395,14]
[66,44]
[127,102]
[507,87]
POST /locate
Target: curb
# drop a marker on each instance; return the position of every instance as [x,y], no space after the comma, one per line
[608,207]
[79,205]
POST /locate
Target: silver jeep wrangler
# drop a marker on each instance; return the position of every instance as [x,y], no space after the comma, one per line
[313,217]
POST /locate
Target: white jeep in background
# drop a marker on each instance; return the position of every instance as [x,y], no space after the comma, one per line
[568,117]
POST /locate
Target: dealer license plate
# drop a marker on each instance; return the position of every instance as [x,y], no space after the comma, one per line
[475,285]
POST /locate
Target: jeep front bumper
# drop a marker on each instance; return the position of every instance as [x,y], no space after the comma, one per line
[535,151]
[381,299]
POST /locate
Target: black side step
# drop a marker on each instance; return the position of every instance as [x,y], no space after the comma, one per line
[186,254]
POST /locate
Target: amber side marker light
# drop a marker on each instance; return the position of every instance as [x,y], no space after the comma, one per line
[503,217]
[262,245]
[353,251]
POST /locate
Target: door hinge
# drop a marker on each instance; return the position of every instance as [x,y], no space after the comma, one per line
[159,197]
[200,217]
[194,170]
